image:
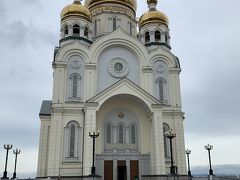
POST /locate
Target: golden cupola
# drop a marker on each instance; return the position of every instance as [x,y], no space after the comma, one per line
[132,4]
[153,15]
[76,9]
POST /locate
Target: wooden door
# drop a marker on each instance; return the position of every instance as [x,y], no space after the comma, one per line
[108,170]
[134,171]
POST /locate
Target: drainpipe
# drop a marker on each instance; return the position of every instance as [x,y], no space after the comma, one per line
[84,114]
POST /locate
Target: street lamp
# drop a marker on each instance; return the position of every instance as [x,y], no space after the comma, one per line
[188,152]
[93,135]
[170,135]
[209,147]
[7,147]
[16,152]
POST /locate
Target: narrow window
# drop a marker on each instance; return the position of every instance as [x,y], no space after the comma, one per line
[133,134]
[130,28]
[120,134]
[161,83]
[66,30]
[86,32]
[75,85]
[76,30]
[109,133]
[114,23]
[147,37]
[95,27]
[72,141]
[157,36]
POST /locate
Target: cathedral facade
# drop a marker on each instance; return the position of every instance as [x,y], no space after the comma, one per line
[116,75]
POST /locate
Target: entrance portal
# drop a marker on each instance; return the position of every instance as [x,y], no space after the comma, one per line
[121,170]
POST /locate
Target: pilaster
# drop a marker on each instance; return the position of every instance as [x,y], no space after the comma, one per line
[158,163]
[54,155]
[89,85]
[147,79]
[90,126]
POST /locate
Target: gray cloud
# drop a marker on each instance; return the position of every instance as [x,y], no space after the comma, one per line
[17,34]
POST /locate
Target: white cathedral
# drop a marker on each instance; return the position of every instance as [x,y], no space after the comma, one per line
[115,74]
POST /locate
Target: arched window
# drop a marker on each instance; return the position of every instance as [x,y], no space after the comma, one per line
[120,134]
[166,140]
[71,141]
[76,30]
[114,23]
[86,32]
[75,85]
[109,134]
[66,30]
[95,27]
[147,37]
[157,36]
[133,138]
[161,86]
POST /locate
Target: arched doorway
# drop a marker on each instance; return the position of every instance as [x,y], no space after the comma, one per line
[124,124]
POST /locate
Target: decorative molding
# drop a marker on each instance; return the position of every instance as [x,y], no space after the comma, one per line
[115,9]
[118,67]
[90,66]
[147,69]
[175,70]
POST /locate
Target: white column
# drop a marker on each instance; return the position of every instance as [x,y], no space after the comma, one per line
[179,146]
[55,142]
[82,31]
[89,83]
[142,37]
[152,36]
[70,30]
[62,33]
[162,37]
[148,79]
[128,169]
[127,138]
[114,134]
[158,164]
[90,126]
[114,169]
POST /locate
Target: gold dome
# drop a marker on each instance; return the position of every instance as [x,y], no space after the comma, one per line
[151,1]
[76,9]
[132,4]
[154,16]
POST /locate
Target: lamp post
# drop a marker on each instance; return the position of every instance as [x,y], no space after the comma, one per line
[188,152]
[7,147]
[16,152]
[93,135]
[170,135]
[209,147]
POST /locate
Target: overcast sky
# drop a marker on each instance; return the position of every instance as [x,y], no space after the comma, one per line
[205,35]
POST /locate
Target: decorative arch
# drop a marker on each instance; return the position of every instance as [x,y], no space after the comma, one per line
[127,41]
[160,81]
[72,141]
[75,74]
[120,128]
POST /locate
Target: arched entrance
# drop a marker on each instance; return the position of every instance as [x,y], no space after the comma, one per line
[123,153]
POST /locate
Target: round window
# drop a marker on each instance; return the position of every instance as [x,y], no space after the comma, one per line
[118,66]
